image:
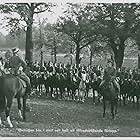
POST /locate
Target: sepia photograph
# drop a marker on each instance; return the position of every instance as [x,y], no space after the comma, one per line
[69,69]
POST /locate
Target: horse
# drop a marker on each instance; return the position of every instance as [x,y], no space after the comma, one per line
[135,92]
[62,84]
[72,84]
[12,87]
[82,89]
[47,82]
[110,93]
[125,89]
[53,82]
[95,83]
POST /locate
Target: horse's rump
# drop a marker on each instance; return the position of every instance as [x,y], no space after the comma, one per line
[12,86]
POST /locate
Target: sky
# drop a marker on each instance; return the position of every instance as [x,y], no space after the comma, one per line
[57,11]
[51,17]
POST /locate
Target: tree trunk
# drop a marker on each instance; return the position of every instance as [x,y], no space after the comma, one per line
[41,55]
[119,56]
[138,43]
[54,50]
[71,55]
[29,45]
[91,56]
[118,53]
[138,56]
[55,58]
[77,58]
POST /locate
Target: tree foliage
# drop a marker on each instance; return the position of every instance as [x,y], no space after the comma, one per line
[24,12]
[117,22]
[76,24]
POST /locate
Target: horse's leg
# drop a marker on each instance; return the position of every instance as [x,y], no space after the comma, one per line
[0,121]
[24,107]
[112,109]
[104,107]
[137,101]
[120,99]
[46,90]
[84,92]
[51,93]
[19,108]
[39,86]
[7,111]
[133,98]
[61,92]
[93,91]
[116,107]
[78,97]
[87,90]
[124,100]
[98,96]
[57,94]
[73,94]
[1,125]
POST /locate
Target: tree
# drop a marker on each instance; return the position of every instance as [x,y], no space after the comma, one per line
[98,48]
[53,40]
[24,12]
[76,24]
[117,22]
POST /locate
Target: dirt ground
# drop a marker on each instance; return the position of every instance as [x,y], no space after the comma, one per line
[56,118]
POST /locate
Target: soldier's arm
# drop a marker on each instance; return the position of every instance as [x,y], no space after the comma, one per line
[114,73]
[23,63]
[104,73]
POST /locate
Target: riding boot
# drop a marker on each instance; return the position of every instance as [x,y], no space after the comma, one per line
[116,85]
[28,89]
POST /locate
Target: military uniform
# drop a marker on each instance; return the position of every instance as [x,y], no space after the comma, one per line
[14,63]
[110,74]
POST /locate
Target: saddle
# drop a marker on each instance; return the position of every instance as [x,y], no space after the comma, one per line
[22,82]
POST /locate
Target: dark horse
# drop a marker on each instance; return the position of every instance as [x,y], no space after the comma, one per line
[110,93]
[12,87]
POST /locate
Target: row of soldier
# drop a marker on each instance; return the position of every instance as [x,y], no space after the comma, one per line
[95,70]
[91,73]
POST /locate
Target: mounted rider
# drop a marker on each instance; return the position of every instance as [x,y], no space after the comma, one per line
[110,74]
[17,65]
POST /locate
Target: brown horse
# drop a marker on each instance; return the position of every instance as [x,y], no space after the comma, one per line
[12,87]
[110,93]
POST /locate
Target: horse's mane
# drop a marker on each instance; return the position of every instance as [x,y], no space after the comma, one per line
[8,76]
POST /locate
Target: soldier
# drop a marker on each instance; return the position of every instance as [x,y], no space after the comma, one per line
[14,63]
[110,74]
[135,75]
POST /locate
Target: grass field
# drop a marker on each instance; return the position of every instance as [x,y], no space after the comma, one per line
[67,118]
